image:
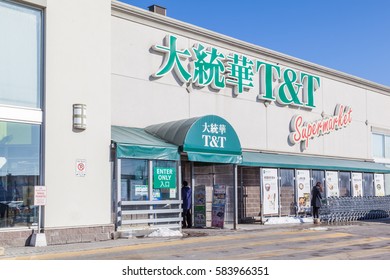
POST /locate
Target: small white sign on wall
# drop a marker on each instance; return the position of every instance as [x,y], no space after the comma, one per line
[81,167]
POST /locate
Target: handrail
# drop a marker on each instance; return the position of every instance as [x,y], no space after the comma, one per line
[148,202]
[150,211]
[153,216]
[148,221]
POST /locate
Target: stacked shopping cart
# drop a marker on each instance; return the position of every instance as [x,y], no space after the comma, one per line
[345,209]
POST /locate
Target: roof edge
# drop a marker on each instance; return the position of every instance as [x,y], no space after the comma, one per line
[129,12]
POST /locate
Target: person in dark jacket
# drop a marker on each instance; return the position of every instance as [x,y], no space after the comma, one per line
[316,201]
[186,195]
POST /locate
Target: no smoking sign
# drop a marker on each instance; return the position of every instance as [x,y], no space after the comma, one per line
[81,166]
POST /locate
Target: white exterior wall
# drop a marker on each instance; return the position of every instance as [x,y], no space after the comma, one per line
[138,100]
[77,67]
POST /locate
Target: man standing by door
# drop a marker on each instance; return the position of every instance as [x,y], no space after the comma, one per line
[186,195]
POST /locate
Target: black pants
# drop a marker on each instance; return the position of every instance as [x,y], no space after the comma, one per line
[315,212]
[187,218]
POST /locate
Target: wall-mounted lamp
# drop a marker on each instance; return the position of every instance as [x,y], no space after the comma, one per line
[79,116]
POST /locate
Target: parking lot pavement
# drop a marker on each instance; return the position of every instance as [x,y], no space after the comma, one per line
[10,252]
[365,227]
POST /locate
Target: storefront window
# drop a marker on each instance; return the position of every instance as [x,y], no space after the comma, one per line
[287,178]
[319,176]
[381,145]
[287,196]
[387,146]
[345,183]
[20,66]
[387,184]
[134,180]
[378,145]
[19,173]
[164,180]
[368,184]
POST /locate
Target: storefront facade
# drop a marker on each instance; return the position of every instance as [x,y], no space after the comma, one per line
[47,66]
[297,123]
[165,101]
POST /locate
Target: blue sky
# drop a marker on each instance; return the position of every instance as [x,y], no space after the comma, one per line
[352,36]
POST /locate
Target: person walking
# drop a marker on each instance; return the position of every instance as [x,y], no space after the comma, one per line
[186,195]
[316,202]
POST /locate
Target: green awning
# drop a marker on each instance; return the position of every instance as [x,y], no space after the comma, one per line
[136,143]
[206,139]
[306,162]
[214,158]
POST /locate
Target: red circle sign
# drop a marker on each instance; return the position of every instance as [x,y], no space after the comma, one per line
[81,166]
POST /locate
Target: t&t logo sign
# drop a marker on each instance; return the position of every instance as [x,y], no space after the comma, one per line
[286,86]
[209,67]
[212,135]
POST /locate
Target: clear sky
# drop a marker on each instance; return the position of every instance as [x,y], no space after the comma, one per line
[352,36]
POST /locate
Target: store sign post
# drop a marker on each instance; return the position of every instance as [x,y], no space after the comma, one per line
[38,239]
[209,67]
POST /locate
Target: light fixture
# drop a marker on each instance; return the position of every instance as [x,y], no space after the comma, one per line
[79,116]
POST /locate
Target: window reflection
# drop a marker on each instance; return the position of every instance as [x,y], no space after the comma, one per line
[345,184]
[19,173]
[21,66]
[134,180]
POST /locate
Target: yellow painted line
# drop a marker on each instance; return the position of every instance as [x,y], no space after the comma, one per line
[311,248]
[278,241]
[162,244]
[249,243]
[226,247]
[358,254]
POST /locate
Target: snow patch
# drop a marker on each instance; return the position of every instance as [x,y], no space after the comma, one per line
[165,232]
[319,228]
[287,220]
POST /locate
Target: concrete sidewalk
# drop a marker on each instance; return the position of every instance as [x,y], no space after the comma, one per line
[13,252]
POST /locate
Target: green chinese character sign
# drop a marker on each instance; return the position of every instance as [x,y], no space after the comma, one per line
[240,73]
[164,178]
[209,67]
[172,59]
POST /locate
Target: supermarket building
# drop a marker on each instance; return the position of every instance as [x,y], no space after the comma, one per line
[111,107]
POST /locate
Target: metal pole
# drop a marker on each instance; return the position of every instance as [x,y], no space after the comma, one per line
[180,180]
[235,197]
[261,197]
[39,218]
[279,191]
[118,193]
[192,190]
[150,188]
